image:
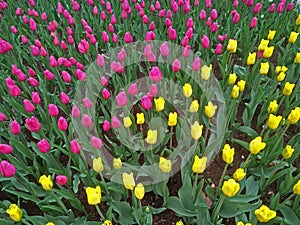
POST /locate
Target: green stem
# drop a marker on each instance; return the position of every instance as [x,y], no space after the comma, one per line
[100,213]
[59,202]
[222,178]
[195,185]
[24,222]
[218,207]
[247,160]
[288,198]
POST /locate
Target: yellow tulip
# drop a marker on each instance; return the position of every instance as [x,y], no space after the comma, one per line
[263,44]
[107,222]
[172,121]
[239,174]
[210,109]
[288,88]
[127,121]
[139,191]
[273,106]
[235,91]
[256,145]
[50,223]
[271,34]
[196,130]
[230,188]
[159,104]
[232,78]
[179,222]
[165,165]
[97,165]
[298,20]
[93,195]
[294,116]
[227,154]
[241,84]
[151,137]
[46,182]
[14,212]
[117,163]
[140,118]
[264,214]
[251,58]
[297,58]
[284,69]
[232,46]
[281,76]
[268,52]
[205,72]
[199,164]
[194,106]
[278,69]
[187,90]
[288,152]
[241,223]
[293,37]
[296,188]
[264,68]
[273,121]
[128,181]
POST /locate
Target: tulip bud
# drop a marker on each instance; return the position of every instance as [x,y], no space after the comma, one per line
[86,120]
[5,149]
[15,127]
[62,123]
[7,169]
[115,122]
[43,145]
[61,180]
[96,142]
[75,147]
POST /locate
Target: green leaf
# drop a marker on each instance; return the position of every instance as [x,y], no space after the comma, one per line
[230,209]
[175,204]
[248,130]
[124,212]
[289,215]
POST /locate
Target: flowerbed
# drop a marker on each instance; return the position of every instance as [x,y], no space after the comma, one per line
[149,112]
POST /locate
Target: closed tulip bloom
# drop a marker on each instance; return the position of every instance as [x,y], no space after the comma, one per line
[232,78]
[273,106]
[159,104]
[281,76]
[227,154]
[146,102]
[117,163]
[128,181]
[7,169]
[53,110]
[14,212]
[293,37]
[86,120]
[264,68]
[199,164]
[15,127]
[239,174]
[127,121]
[288,88]
[241,84]
[256,145]
[210,109]
[263,44]
[97,165]
[139,191]
[87,103]
[219,49]
[75,147]
[43,145]
[165,165]
[253,22]
[155,74]
[96,142]
[274,121]
[205,72]
[296,188]
[287,152]
[5,149]
[164,49]
[202,15]
[153,90]
[29,107]
[151,137]
[232,46]
[194,106]
[133,89]
[62,123]
[230,188]
[140,118]
[268,52]
[187,90]
[205,41]
[294,116]
[65,99]
[235,91]
[93,195]
[176,65]
[196,130]
[271,34]
[105,94]
[257,8]
[33,124]
[297,58]
[172,120]
[2,117]
[61,180]
[264,214]
[46,182]
[121,99]
[75,112]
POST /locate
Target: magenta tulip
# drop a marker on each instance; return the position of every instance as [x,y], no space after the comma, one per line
[33,124]
[7,169]
[43,145]
[75,147]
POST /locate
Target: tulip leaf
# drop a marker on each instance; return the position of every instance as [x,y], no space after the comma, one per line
[289,216]
[231,209]
[175,204]
[124,212]
[248,130]
[240,71]
[6,222]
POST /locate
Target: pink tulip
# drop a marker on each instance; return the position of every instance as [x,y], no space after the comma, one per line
[127,37]
[15,127]
[152,8]
[100,60]
[35,50]
[96,142]
[53,110]
[80,74]
[63,45]
[32,25]
[86,120]
[236,18]
[115,38]
[33,124]
[75,112]
[83,46]
[176,65]
[164,49]
[169,14]
[161,13]
[62,123]
[105,37]
[24,39]
[75,147]
[133,89]
[44,16]
[5,149]
[19,12]
[121,99]
[102,15]
[14,91]
[9,82]
[105,94]
[22,77]
[155,74]
[235,3]
[146,102]
[2,117]
[153,90]
[29,107]
[14,29]
[253,22]
[257,8]
[214,27]
[106,125]
[205,41]
[218,49]
[7,169]
[174,7]
[95,10]
[35,98]
[117,67]
[25,19]
[31,3]
[122,55]
[280,7]
[185,41]
[103,81]
[61,180]
[145,19]
[290,6]
[43,145]
[186,7]
[172,34]
[66,76]
[186,51]
[65,99]
[189,22]
[152,26]
[196,3]
[214,14]
[196,64]
[33,82]
[249,2]
[87,103]
[208,3]
[115,122]
[208,22]
[202,15]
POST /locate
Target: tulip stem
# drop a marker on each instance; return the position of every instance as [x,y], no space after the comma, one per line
[195,185]
[25,222]
[288,198]
[218,207]
[100,213]
[171,138]
[222,178]
[246,161]
[59,202]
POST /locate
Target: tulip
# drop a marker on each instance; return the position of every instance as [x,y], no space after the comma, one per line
[185,41]
[230,188]
[189,23]
[75,112]
[127,121]
[232,78]
[294,116]
[287,152]
[128,38]
[140,119]
[165,165]
[75,147]
[273,121]
[251,58]
[97,165]
[232,46]
[235,91]
[7,169]
[288,88]
[236,18]
[264,214]
[249,2]
[172,120]
[272,8]
[293,37]
[49,75]
[62,123]
[187,90]
[268,52]
[93,195]
[256,145]
[297,58]
[133,89]
[296,188]
[65,99]
[139,191]
[280,7]
[151,137]
[257,8]
[227,154]
[2,117]
[14,212]
[86,120]
[263,44]
[115,122]
[264,68]
[128,181]
[214,14]
[281,76]
[117,163]
[273,106]
[15,127]
[205,72]
[155,74]
[43,145]
[172,34]
[219,49]
[5,149]
[46,182]
[194,106]
[298,20]
[176,65]
[205,41]
[196,130]
[121,99]
[146,102]
[33,124]
[199,164]
[241,84]
[271,34]
[239,174]
[186,51]
[159,104]
[202,15]
[210,109]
